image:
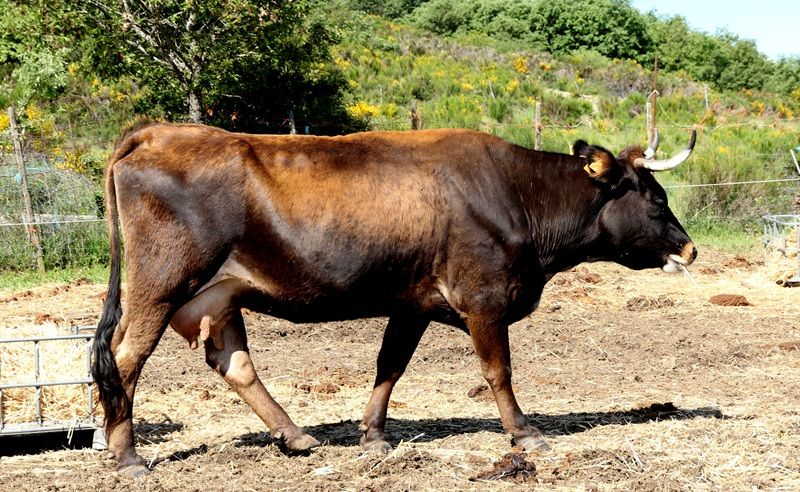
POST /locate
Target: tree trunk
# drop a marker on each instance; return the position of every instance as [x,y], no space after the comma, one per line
[195,110]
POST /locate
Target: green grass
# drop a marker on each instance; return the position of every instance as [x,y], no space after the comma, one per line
[16,281]
[724,236]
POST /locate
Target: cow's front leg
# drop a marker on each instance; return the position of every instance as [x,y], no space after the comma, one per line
[491,346]
[399,342]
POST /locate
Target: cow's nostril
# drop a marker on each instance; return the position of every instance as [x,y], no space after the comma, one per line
[694,253]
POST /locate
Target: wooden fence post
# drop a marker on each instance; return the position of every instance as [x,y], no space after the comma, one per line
[537,143]
[797,203]
[650,109]
[33,231]
[292,128]
[651,106]
[414,116]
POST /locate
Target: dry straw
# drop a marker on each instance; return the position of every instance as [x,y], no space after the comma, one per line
[59,360]
[778,258]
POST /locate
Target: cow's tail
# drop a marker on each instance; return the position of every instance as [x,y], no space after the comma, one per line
[104,366]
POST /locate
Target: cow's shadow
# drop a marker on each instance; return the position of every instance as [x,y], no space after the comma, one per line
[346,433]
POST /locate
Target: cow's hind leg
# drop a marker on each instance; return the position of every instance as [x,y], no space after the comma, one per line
[490,340]
[399,342]
[233,363]
[134,340]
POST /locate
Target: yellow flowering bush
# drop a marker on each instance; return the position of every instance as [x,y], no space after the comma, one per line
[363,109]
[390,110]
[604,125]
[72,160]
[33,112]
[342,63]
[512,85]
[521,65]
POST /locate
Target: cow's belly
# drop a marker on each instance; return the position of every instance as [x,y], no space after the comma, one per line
[234,287]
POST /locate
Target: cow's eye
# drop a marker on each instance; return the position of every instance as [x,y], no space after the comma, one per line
[659,213]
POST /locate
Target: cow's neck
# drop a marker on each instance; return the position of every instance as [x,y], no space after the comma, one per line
[563,205]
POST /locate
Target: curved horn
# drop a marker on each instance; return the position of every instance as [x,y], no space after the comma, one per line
[672,162]
[653,146]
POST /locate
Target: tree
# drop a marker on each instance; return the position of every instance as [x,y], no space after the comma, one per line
[391,9]
[34,52]
[722,59]
[785,78]
[611,27]
[203,49]
[746,67]
[243,64]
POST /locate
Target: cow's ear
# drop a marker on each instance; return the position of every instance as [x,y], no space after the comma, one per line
[580,148]
[602,166]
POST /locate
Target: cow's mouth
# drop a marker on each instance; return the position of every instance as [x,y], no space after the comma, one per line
[676,263]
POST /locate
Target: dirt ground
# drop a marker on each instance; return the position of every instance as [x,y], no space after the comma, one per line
[638,381]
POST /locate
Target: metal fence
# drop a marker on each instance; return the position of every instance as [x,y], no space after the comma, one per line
[40,424]
[67,213]
[778,232]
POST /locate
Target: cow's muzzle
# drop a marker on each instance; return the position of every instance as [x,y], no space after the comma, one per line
[675,263]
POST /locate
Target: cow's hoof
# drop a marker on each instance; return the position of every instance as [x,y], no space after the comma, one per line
[532,442]
[377,446]
[301,444]
[133,471]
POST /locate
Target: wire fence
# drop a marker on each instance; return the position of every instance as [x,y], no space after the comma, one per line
[67,213]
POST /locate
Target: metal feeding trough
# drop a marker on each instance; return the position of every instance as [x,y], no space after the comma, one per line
[41,424]
[777,230]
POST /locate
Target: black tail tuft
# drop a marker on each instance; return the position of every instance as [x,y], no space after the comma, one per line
[104,367]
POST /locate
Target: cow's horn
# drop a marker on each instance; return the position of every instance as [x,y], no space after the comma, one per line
[672,162]
[653,146]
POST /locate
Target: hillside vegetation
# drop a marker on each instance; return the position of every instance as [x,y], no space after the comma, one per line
[474,64]
[471,79]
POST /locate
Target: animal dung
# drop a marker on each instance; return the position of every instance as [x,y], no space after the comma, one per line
[583,274]
[324,388]
[729,300]
[481,392]
[789,346]
[59,360]
[513,466]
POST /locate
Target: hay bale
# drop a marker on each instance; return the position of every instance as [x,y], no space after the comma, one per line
[59,360]
[784,247]
[781,275]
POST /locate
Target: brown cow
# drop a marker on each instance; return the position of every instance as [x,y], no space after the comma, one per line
[453,226]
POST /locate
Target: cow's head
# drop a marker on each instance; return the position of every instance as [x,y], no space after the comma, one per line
[636,227]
